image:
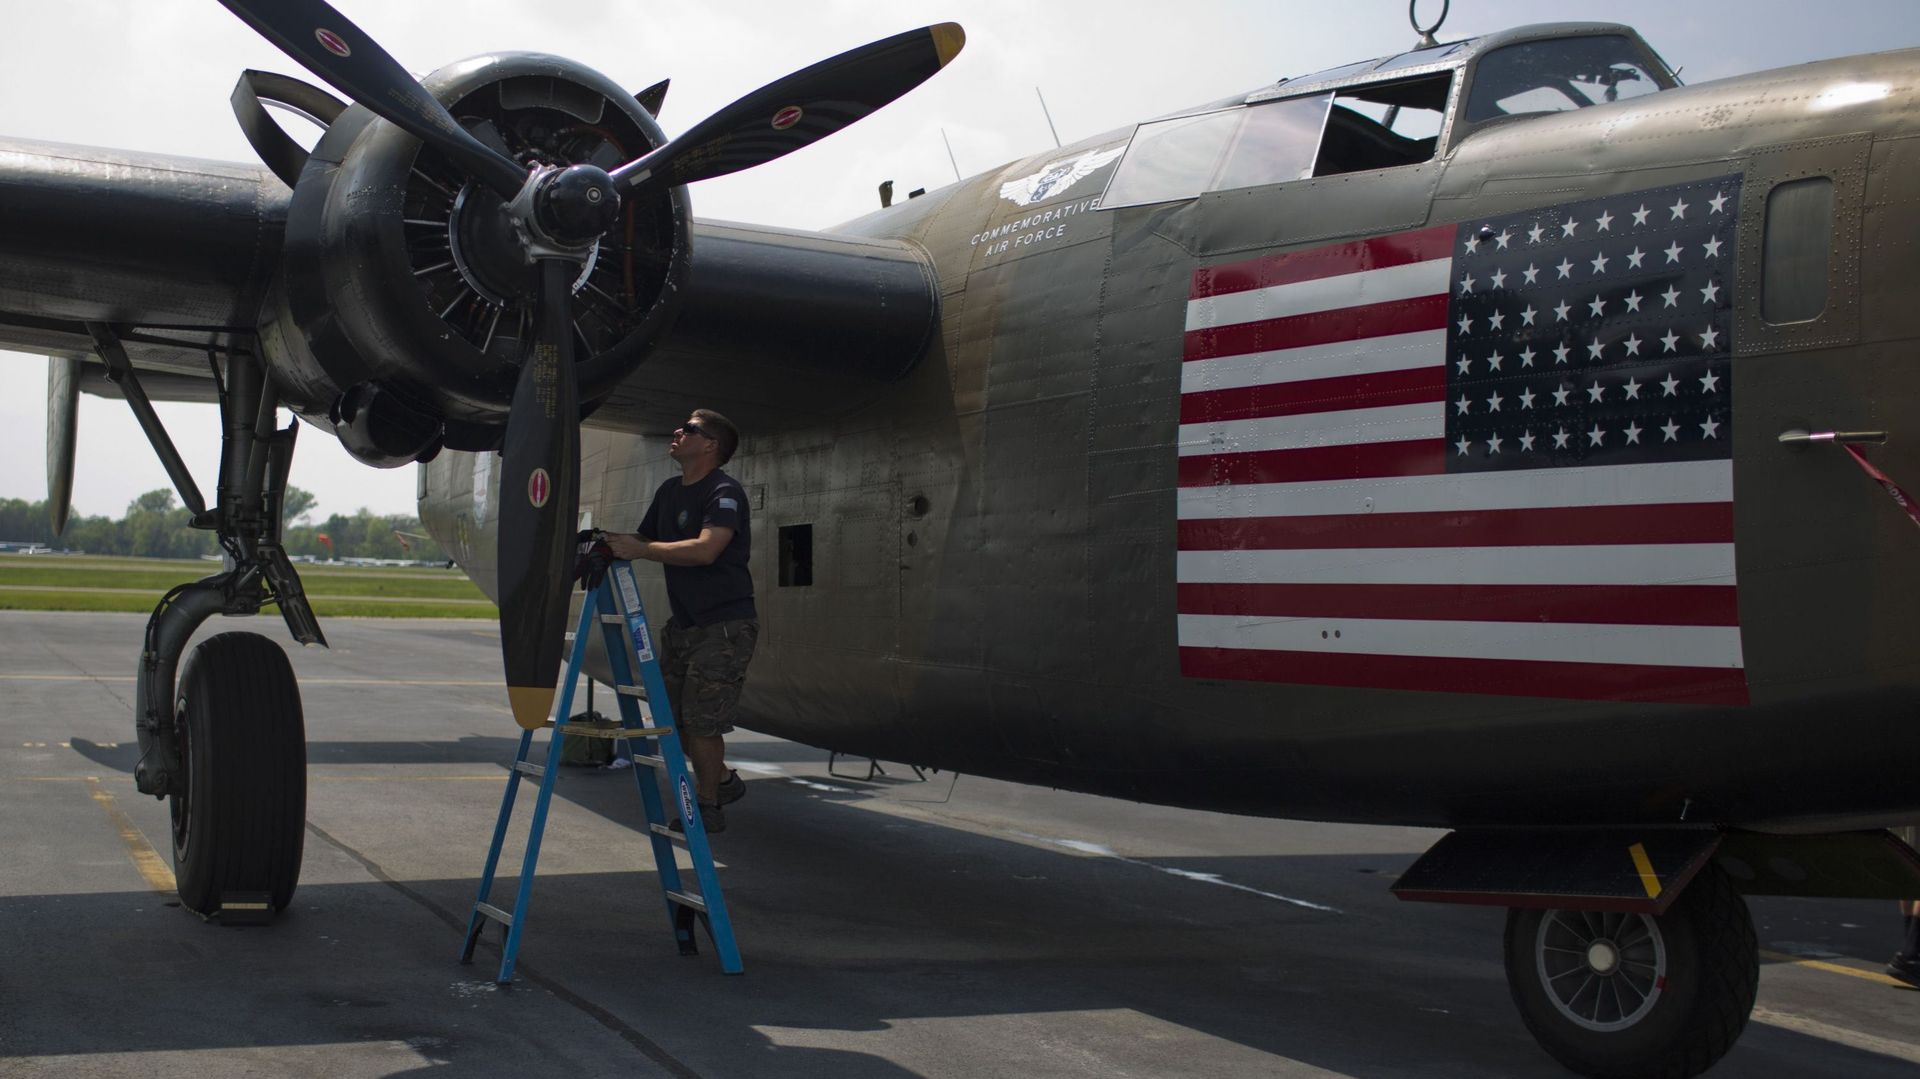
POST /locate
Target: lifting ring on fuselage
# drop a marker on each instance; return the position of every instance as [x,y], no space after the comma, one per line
[1427,40]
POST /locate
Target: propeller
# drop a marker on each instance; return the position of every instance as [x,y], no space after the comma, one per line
[558,214]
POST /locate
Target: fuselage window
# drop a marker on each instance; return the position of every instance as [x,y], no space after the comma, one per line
[1246,146]
[1558,76]
[1799,238]
[1383,126]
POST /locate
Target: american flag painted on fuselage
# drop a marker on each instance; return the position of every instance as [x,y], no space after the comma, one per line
[1492,457]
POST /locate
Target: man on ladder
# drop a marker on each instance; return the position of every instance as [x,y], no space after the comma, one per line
[698,528]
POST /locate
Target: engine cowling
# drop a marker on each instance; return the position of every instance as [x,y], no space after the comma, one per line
[404,298]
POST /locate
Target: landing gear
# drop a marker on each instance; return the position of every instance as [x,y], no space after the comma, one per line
[240,816]
[1619,995]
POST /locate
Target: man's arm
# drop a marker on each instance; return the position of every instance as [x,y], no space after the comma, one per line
[702,550]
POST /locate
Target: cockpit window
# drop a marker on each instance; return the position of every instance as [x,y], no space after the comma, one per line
[1382,126]
[1558,76]
[1182,157]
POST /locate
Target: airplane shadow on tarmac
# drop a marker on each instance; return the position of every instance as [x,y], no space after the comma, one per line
[877,945]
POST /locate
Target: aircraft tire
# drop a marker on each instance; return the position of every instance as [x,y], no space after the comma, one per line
[241,825]
[1699,961]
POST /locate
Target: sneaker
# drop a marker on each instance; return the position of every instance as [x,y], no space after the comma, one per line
[732,788]
[712,817]
[1902,968]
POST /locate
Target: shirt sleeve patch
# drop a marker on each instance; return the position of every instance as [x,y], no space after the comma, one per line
[728,504]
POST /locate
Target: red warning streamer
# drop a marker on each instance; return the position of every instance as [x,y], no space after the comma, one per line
[1899,495]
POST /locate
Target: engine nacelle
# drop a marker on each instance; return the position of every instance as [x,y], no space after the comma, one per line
[403,298]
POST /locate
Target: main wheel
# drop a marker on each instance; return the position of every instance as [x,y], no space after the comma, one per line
[240,825]
[1635,995]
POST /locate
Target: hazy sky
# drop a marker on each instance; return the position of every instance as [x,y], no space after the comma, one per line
[154,75]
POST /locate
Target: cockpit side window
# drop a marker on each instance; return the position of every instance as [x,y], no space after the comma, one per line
[1558,76]
[1383,126]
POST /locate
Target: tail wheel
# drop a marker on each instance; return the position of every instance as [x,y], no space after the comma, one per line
[1618,995]
[241,824]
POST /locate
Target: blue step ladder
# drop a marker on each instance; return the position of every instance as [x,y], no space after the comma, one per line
[614,605]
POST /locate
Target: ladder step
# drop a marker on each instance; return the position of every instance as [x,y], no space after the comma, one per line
[494,912]
[661,829]
[582,730]
[612,620]
[652,760]
[688,899]
[567,636]
[527,768]
[631,691]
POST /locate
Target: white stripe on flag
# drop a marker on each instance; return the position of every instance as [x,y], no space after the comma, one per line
[1338,359]
[1321,294]
[1610,564]
[1660,646]
[1389,423]
[1547,488]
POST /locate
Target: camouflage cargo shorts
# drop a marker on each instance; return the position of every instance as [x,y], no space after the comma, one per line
[705,666]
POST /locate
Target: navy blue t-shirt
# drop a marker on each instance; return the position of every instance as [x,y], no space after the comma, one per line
[722,591]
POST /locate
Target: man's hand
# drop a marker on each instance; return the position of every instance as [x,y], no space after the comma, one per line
[627,545]
[700,551]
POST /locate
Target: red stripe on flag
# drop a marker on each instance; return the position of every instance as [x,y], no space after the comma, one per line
[1614,605]
[1688,522]
[1499,677]
[1318,328]
[1383,388]
[1418,457]
[1377,253]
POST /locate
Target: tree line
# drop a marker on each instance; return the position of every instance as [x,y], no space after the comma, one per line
[157,526]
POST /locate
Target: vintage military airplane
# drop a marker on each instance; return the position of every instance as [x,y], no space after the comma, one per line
[1360,448]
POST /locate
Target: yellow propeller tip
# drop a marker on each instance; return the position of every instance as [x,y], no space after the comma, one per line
[530,705]
[948,39]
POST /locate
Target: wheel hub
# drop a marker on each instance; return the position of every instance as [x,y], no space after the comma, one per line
[1602,971]
[1603,957]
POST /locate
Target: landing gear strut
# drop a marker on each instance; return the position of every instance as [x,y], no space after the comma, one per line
[228,750]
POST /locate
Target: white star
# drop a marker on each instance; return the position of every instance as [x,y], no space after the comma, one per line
[1465,364]
[1717,201]
[1532,274]
[1473,243]
[1466,323]
[1640,215]
[1597,306]
[1594,349]
[1672,296]
[1496,320]
[1712,247]
[1493,361]
[1526,356]
[1673,253]
[1499,279]
[1526,399]
[1462,402]
[1633,346]
[1710,429]
[1633,434]
[1462,445]
[1669,384]
[1605,221]
[1533,234]
[1709,382]
[1599,264]
[1634,257]
[1565,268]
[1493,403]
[1505,235]
[1526,317]
[1595,392]
[1710,293]
[1560,355]
[1567,228]
[1526,442]
[1560,437]
[1597,435]
[1466,284]
[1672,430]
[1633,388]
[1561,311]
[1561,394]
[1709,339]
[1633,300]
[1679,209]
[1493,444]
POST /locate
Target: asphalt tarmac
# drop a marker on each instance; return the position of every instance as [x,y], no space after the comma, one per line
[890,926]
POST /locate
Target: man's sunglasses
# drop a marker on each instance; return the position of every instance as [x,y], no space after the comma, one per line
[695,429]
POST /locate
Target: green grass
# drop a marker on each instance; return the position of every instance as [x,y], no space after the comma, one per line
[63,583]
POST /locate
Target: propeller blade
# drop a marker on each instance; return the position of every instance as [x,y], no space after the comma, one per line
[798,110]
[328,44]
[539,504]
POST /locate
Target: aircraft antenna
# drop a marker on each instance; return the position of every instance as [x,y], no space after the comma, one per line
[950,158]
[1049,115]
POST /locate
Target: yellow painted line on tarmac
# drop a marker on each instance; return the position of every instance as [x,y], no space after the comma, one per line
[1833,968]
[158,876]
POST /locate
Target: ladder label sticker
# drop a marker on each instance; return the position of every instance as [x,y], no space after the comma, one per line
[686,803]
[642,641]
